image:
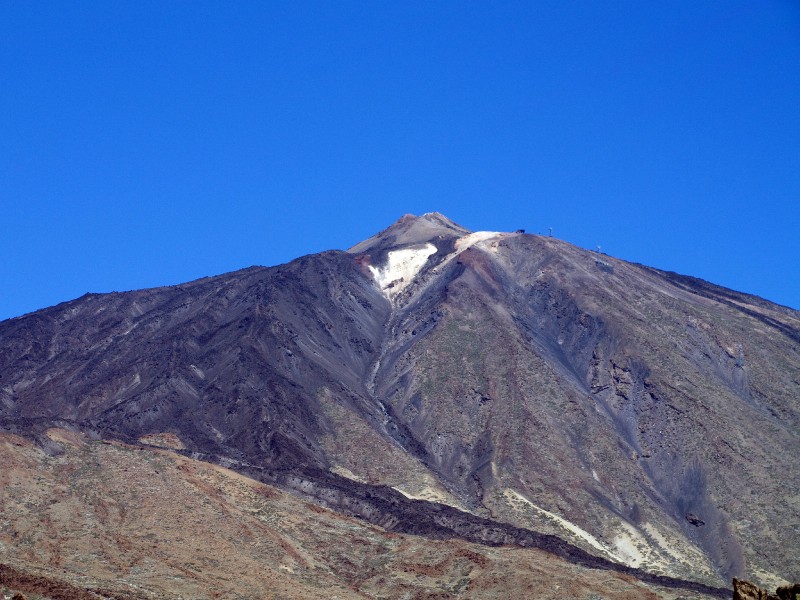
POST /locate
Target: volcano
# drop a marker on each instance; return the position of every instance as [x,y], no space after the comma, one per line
[499,389]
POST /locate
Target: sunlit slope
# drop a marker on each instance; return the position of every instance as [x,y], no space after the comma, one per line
[146,523]
[625,401]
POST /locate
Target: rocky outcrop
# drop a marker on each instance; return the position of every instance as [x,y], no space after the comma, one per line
[789,592]
[744,590]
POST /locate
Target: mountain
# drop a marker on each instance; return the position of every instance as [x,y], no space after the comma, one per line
[498,388]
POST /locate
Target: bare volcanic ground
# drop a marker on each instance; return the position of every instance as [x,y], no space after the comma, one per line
[92,519]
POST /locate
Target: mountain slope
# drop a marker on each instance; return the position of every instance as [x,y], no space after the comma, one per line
[111,520]
[648,418]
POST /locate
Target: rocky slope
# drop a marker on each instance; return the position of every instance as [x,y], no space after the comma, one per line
[646,418]
[110,520]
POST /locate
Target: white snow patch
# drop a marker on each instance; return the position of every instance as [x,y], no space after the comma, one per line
[401,267]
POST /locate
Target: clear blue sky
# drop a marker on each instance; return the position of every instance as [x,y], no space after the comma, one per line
[151,143]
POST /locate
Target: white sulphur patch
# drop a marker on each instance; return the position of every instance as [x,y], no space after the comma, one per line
[400,269]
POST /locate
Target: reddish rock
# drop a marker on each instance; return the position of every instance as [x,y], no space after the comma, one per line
[744,590]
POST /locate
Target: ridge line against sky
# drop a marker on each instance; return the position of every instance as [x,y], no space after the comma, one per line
[146,144]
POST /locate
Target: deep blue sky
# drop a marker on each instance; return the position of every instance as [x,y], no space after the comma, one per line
[151,143]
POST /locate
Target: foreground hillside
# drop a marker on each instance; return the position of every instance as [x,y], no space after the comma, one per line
[126,522]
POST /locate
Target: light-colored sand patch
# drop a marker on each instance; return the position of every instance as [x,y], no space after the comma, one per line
[428,493]
[649,548]
[568,525]
[401,267]
[163,440]
[680,550]
[630,545]
[769,580]
[479,236]
[345,472]
[65,436]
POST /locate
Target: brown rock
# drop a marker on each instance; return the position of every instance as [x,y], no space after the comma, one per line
[744,590]
[789,592]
